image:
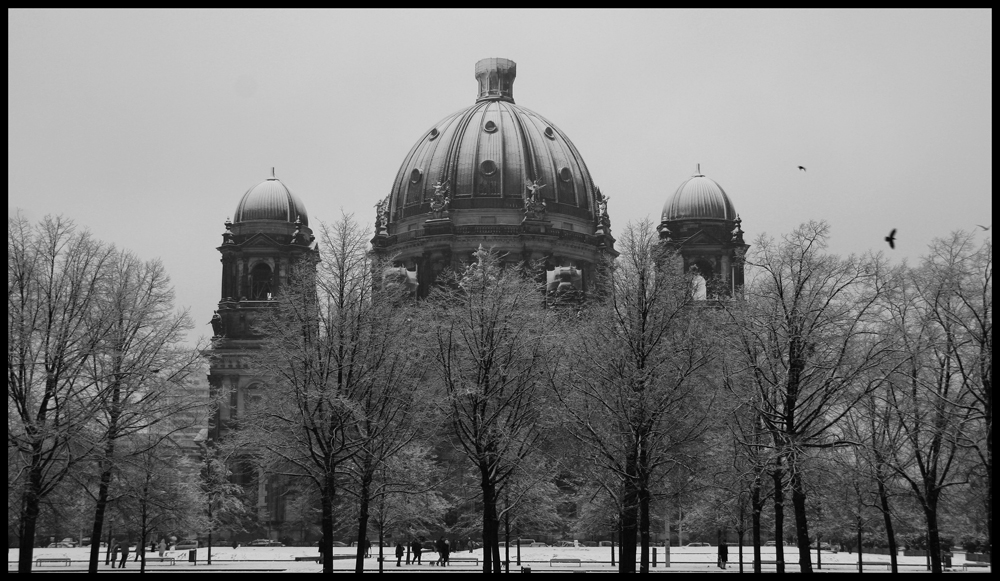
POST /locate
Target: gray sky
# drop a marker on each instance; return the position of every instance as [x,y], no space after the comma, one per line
[148,126]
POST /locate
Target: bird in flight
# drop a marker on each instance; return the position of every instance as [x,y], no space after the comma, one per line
[891,239]
[802,168]
[984,227]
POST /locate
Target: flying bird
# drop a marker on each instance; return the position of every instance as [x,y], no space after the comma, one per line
[802,168]
[984,227]
[891,239]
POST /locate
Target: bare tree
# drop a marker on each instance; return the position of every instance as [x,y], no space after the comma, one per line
[636,390]
[967,268]
[138,364]
[936,397]
[807,331]
[54,324]
[336,369]
[489,334]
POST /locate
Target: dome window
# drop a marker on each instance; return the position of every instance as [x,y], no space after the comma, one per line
[490,127]
[550,133]
[415,175]
[565,175]
[434,133]
[488,167]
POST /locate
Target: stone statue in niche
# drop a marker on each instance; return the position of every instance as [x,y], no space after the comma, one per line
[534,205]
[440,200]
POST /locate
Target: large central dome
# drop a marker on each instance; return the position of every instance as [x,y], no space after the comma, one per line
[485,154]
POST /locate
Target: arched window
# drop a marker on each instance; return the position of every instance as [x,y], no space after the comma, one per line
[260,282]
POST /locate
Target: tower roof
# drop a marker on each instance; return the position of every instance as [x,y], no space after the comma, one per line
[270,200]
[488,151]
[701,198]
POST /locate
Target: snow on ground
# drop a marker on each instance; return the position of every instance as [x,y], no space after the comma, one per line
[594,558]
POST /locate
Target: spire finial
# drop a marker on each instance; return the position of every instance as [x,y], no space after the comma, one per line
[272,172]
[697,170]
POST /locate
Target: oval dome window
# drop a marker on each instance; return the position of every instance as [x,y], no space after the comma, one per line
[415,175]
[565,175]
[490,127]
[550,133]
[488,167]
[434,133]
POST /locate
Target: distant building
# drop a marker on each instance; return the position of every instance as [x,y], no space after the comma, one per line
[494,174]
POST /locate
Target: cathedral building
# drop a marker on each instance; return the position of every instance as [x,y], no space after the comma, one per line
[494,175]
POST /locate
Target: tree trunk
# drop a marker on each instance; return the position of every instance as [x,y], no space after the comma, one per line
[629,508]
[29,518]
[359,559]
[890,534]
[107,466]
[757,506]
[644,529]
[933,535]
[860,559]
[801,524]
[326,542]
[491,524]
[779,518]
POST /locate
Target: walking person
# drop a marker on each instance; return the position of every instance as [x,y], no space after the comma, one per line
[114,553]
[723,554]
[162,546]
[439,546]
[368,549]
[124,554]
[446,552]
[417,549]
[399,553]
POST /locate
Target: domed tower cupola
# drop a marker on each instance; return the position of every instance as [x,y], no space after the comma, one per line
[498,174]
[701,222]
[269,231]
[496,79]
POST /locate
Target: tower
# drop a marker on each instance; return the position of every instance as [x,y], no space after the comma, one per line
[269,232]
[701,223]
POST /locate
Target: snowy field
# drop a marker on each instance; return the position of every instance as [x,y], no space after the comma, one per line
[266,559]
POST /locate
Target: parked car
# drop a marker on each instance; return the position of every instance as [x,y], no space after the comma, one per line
[565,544]
[824,547]
[698,545]
[338,544]
[61,545]
[265,543]
[428,547]
[186,544]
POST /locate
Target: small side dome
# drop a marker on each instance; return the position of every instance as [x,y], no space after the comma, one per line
[699,198]
[271,200]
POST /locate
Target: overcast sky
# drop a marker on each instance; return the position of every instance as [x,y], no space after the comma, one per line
[148,126]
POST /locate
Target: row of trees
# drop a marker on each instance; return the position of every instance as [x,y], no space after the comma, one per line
[96,384]
[859,389]
[820,364]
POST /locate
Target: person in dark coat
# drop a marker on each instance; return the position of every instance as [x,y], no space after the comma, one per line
[723,555]
[124,554]
[439,546]
[114,553]
[417,549]
[446,552]
[399,552]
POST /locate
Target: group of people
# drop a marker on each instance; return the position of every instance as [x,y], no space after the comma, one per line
[118,552]
[442,546]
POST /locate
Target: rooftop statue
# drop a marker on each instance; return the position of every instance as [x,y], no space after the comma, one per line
[440,200]
[534,205]
[381,215]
